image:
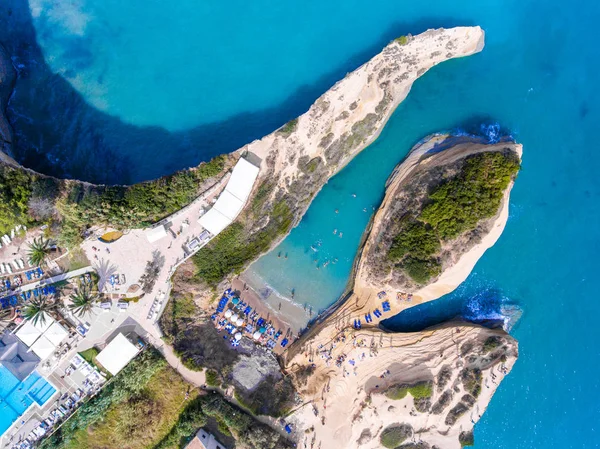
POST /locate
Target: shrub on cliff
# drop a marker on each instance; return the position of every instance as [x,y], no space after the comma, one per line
[454,207]
[395,435]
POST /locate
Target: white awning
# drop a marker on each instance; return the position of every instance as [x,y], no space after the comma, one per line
[117,354]
[28,334]
[214,221]
[43,347]
[56,334]
[229,205]
[156,233]
[242,179]
[44,325]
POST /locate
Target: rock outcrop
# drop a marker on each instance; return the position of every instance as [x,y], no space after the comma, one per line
[301,156]
[433,384]
[370,388]
[7,81]
[430,163]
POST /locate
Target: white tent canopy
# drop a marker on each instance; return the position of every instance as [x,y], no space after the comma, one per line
[232,200]
[56,334]
[229,205]
[44,324]
[117,354]
[156,233]
[214,221]
[43,347]
[28,333]
[242,179]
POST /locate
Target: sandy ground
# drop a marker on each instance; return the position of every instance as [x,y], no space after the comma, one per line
[345,402]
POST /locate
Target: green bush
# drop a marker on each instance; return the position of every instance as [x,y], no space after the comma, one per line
[419,390]
[402,40]
[288,128]
[394,436]
[212,378]
[466,439]
[456,206]
[232,249]
[474,194]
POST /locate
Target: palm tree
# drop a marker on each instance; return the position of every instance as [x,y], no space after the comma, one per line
[83,300]
[39,250]
[37,309]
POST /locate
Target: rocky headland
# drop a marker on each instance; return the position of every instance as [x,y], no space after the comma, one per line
[366,387]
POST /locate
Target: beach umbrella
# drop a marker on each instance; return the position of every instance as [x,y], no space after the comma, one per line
[238,336]
[239,321]
[235,343]
[262,330]
[234,301]
[228,313]
[256,335]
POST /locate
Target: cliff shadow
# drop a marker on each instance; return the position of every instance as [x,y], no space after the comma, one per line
[58,133]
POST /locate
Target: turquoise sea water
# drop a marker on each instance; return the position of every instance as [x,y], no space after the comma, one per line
[16,396]
[144,89]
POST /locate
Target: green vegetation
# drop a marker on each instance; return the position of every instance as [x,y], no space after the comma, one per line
[288,128]
[27,198]
[39,250]
[137,408]
[419,390]
[402,40]
[16,189]
[232,249]
[271,397]
[145,407]
[394,436]
[89,355]
[212,378]
[231,421]
[38,309]
[466,439]
[491,343]
[471,379]
[454,207]
[83,300]
[132,206]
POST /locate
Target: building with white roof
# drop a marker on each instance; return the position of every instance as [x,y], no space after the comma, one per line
[117,354]
[43,337]
[232,200]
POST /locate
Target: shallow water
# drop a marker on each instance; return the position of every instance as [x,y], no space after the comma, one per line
[248,67]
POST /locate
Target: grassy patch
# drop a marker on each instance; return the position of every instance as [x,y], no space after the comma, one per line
[212,378]
[288,128]
[419,390]
[402,40]
[232,249]
[89,355]
[137,408]
[394,436]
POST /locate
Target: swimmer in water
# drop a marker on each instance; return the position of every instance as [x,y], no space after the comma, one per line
[334,231]
[341,235]
[337,211]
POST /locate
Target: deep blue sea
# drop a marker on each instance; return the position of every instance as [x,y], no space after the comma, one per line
[121,91]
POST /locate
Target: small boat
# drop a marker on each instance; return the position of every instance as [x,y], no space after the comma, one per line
[279,255]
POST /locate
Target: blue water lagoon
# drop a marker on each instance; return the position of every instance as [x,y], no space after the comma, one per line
[17,396]
[124,91]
